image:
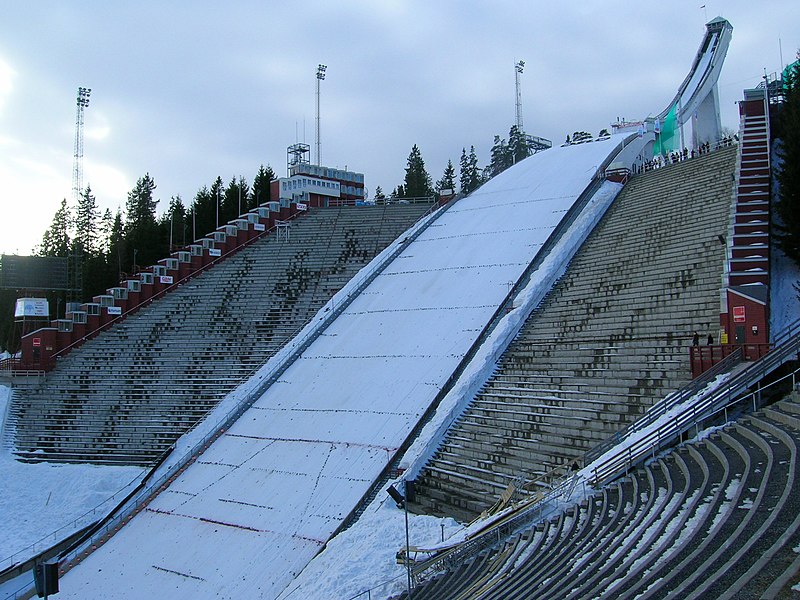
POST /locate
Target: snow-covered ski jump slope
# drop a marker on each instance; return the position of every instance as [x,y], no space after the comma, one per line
[246,517]
[256,507]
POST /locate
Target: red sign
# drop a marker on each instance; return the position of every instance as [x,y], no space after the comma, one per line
[37,342]
[738,314]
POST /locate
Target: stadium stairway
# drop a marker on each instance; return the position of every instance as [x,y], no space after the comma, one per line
[127,395]
[609,340]
[715,518]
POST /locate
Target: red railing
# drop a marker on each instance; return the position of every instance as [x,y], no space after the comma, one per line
[702,358]
[48,363]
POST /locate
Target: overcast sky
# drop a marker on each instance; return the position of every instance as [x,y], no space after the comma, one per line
[188,91]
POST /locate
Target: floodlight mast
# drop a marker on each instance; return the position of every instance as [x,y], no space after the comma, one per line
[518,67]
[320,76]
[77,169]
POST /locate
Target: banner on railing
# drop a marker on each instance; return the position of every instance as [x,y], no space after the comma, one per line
[165,279]
[114,310]
[302,206]
[214,252]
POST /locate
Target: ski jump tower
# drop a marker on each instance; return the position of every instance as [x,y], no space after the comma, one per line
[697,99]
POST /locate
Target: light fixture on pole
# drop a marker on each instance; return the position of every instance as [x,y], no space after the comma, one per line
[320,76]
[401,501]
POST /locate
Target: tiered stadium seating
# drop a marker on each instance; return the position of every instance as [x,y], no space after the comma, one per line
[608,341]
[125,396]
[712,519]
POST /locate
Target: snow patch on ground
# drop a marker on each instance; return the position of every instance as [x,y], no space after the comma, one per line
[42,503]
[785,299]
[363,558]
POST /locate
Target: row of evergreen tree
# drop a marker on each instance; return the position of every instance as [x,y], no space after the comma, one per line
[419,184]
[504,153]
[105,246]
[787,227]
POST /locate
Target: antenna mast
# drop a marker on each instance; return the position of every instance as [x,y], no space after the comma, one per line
[320,76]
[518,67]
[77,170]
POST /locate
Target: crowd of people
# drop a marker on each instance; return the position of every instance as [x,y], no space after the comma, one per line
[679,156]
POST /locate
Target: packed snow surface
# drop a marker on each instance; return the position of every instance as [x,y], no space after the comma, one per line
[43,503]
[246,517]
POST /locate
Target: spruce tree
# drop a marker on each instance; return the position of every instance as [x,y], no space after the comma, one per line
[201,216]
[117,248]
[142,234]
[234,198]
[106,228]
[517,145]
[464,172]
[87,224]
[500,157]
[471,177]
[174,223]
[448,180]
[217,194]
[261,186]
[417,182]
[581,136]
[787,227]
[56,239]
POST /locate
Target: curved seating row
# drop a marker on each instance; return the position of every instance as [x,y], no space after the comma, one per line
[716,518]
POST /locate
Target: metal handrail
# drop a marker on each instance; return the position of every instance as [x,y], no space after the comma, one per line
[782,338]
[666,404]
[704,408]
[718,401]
[524,514]
[666,435]
[171,287]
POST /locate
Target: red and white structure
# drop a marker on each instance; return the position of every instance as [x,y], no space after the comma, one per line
[317,185]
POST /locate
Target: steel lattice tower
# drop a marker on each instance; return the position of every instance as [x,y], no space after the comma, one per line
[320,76]
[77,169]
[518,67]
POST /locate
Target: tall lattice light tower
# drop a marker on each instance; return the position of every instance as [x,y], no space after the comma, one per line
[77,169]
[518,67]
[320,76]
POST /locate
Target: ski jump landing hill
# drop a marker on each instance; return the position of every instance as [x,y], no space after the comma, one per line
[245,517]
